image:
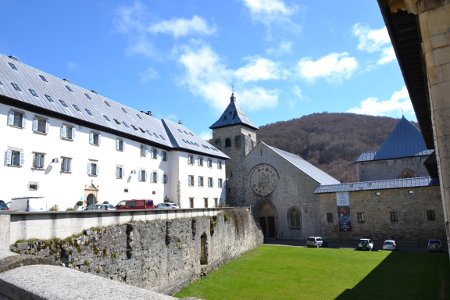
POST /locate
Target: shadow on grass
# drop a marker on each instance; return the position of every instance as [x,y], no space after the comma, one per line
[405,276]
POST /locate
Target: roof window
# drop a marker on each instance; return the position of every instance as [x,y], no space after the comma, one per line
[16,86]
[106,118]
[134,127]
[33,92]
[155,135]
[180,130]
[139,116]
[43,78]
[87,96]
[143,131]
[126,125]
[49,98]
[1,83]
[124,110]
[68,88]
[162,137]
[107,103]
[63,103]
[117,121]
[13,66]
[88,111]
[76,107]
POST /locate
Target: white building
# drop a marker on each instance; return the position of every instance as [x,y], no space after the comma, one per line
[68,144]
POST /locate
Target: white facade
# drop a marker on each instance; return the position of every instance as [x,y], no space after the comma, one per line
[66,160]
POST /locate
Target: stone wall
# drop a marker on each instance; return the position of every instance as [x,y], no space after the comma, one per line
[391,168]
[158,255]
[411,204]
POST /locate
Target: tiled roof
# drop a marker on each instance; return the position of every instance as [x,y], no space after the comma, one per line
[368,156]
[377,185]
[34,87]
[232,116]
[307,168]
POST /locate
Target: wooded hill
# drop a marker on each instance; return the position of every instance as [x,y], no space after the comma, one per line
[330,141]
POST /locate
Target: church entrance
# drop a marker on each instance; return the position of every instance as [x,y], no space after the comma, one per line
[267,217]
[91,194]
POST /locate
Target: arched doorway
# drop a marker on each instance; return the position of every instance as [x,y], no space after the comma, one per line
[91,194]
[91,199]
[267,217]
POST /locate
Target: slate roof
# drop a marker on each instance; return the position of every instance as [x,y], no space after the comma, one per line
[377,185]
[368,156]
[232,116]
[37,89]
[304,166]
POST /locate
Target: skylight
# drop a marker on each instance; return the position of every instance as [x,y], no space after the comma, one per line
[87,96]
[107,103]
[33,92]
[43,78]
[68,88]
[126,125]
[88,111]
[76,107]
[106,117]
[13,66]
[16,86]
[124,110]
[117,121]
[49,98]
[63,103]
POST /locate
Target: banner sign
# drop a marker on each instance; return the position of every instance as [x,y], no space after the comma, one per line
[343,206]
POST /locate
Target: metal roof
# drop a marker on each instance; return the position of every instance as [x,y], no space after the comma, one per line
[36,88]
[232,116]
[304,166]
[377,185]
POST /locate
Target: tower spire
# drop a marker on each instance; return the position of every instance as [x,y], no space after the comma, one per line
[232,98]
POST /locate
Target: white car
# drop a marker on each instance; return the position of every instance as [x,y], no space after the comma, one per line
[167,205]
[316,242]
[434,245]
[390,245]
[365,244]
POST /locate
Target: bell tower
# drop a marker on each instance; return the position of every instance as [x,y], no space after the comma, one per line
[235,136]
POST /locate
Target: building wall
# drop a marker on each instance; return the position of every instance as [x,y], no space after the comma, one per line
[391,168]
[66,189]
[410,204]
[294,189]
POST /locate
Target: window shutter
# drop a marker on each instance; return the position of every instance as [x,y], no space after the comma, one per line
[23,121]
[46,126]
[117,144]
[73,132]
[8,157]
[91,138]
[35,124]
[63,131]
[89,169]
[97,169]
[11,118]
[21,158]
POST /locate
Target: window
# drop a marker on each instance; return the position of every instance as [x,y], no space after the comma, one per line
[205,200]
[154,153]
[33,186]
[191,180]
[38,160]
[49,98]
[210,182]
[13,66]
[76,107]
[119,172]
[87,96]
[94,138]
[191,202]
[14,158]
[40,125]
[431,215]
[68,88]
[165,178]
[190,159]
[164,155]
[67,132]
[63,103]
[92,168]
[209,163]
[393,216]
[219,164]
[216,202]
[106,118]
[237,141]
[360,217]
[66,163]
[200,180]
[16,119]
[33,92]
[294,218]
[200,161]
[43,78]
[119,145]
[220,182]
[16,87]
[330,218]
[142,176]
[227,143]
[124,110]
[88,111]
[143,151]
[154,177]
[107,103]
[117,121]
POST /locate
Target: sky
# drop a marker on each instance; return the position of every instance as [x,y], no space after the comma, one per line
[182,59]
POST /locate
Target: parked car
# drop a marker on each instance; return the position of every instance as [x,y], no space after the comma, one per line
[434,245]
[316,242]
[390,245]
[135,204]
[3,205]
[365,244]
[167,205]
[104,207]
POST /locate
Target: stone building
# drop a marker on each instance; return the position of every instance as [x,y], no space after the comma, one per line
[395,197]
[278,185]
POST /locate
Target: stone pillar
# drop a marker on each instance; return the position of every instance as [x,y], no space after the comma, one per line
[434,22]
[4,231]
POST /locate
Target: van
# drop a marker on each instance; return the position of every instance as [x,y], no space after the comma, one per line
[28,204]
[136,204]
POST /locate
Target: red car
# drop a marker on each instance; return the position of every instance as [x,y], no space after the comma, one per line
[3,205]
[136,204]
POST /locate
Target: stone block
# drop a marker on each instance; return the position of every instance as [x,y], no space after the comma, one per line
[435,21]
[439,74]
[439,96]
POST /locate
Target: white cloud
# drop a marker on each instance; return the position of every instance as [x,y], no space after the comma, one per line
[148,75]
[205,135]
[333,67]
[72,66]
[130,18]
[283,48]
[374,41]
[259,68]
[142,46]
[398,103]
[182,27]
[258,98]
[268,8]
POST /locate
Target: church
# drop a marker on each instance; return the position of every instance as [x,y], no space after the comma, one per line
[278,185]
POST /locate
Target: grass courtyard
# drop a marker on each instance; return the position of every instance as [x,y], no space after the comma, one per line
[287,272]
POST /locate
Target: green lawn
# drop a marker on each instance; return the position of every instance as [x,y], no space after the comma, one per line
[286,272]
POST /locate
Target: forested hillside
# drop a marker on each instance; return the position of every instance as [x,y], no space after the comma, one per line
[330,141]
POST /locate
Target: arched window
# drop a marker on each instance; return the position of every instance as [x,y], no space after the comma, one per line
[407,173]
[227,143]
[295,218]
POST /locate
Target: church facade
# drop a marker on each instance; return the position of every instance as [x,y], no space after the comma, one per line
[279,186]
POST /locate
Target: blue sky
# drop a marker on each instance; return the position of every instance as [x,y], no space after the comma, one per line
[178,59]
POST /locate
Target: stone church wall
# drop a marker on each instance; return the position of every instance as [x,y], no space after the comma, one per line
[391,168]
[159,255]
[411,205]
